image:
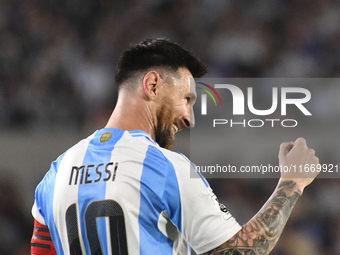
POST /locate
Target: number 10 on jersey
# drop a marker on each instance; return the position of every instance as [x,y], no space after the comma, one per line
[95,210]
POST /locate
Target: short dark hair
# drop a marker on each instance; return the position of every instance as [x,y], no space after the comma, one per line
[156,53]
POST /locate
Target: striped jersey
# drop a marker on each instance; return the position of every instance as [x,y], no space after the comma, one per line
[119,192]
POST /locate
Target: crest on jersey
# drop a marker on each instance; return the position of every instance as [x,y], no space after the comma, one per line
[105,137]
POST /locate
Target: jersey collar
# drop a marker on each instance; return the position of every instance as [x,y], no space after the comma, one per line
[139,133]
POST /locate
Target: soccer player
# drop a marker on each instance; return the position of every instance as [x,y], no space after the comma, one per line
[122,191]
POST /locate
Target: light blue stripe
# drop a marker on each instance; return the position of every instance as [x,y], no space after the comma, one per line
[47,188]
[171,197]
[96,153]
[199,174]
[159,191]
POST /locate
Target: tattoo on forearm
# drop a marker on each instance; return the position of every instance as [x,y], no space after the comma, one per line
[260,234]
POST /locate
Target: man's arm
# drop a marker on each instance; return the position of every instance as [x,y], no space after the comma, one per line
[261,233]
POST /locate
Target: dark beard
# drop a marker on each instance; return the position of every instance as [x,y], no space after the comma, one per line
[163,134]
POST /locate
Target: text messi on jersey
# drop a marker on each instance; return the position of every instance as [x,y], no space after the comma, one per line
[103,172]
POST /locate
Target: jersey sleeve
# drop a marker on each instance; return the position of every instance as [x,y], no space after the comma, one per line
[39,198]
[206,224]
[41,242]
[36,214]
[43,196]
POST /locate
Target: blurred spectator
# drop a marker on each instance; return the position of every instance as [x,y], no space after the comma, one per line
[15,228]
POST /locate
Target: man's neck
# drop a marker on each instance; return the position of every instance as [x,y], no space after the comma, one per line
[132,114]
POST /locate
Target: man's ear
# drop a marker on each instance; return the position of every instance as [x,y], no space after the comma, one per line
[151,84]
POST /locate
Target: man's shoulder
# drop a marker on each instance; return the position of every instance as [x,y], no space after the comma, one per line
[80,146]
[136,141]
[176,158]
[174,154]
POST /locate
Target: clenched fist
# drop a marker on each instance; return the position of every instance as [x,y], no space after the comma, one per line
[294,155]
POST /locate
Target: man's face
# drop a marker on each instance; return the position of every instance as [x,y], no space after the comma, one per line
[175,110]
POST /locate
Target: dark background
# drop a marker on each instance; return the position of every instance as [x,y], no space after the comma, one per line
[57,61]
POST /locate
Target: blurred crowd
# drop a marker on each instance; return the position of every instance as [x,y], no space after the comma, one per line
[57,65]
[16,226]
[57,58]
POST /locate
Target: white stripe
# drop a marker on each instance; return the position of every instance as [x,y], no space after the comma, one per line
[65,194]
[108,234]
[127,185]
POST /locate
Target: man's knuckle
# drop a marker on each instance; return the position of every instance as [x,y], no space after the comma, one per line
[312,151]
[301,141]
